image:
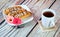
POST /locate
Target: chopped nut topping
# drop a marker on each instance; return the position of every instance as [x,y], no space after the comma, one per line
[17,11]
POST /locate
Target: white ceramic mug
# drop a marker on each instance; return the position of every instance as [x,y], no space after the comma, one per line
[48,21]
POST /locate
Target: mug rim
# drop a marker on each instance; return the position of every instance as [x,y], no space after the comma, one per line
[49,10]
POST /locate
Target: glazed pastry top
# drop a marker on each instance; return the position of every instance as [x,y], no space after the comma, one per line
[17,11]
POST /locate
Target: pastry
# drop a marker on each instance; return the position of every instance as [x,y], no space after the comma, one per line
[17,11]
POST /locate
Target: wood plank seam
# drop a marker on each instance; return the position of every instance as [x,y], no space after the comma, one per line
[52,4]
[22,2]
[25,1]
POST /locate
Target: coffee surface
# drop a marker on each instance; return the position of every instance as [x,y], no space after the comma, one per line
[48,14]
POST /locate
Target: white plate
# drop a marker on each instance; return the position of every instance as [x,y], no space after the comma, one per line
[29,18]
[26,20]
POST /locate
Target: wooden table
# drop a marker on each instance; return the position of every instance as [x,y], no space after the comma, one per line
[30,29]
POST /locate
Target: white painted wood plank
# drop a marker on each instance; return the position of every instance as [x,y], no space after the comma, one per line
[37,32]
[29,1]
[5,31]
[1,15]
[16,32]
[56,7]
[3,24]
[8,35]
[32,2]
[25,2]
[58,33]
[22,32]
[3,4]
[51,33]
[36,3]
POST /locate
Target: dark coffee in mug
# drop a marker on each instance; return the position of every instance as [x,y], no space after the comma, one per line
[48,14]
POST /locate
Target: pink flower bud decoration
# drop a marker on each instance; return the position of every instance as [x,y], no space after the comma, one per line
[13,20]
[17,21]
[10,19]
